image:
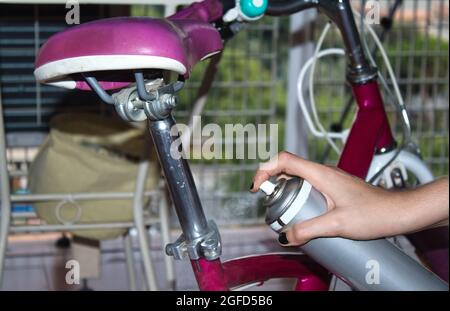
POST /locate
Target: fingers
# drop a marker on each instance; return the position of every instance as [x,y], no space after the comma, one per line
[283,176]
[320,176]
[326,225]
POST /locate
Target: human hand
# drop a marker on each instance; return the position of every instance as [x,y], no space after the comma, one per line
[356,210]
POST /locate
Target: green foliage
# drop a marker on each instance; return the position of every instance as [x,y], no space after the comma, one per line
[420,55]
[155,11]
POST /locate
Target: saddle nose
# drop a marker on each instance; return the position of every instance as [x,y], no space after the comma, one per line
[124,43]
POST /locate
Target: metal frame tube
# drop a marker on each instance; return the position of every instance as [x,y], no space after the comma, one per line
[5,208]
[179,180]
[340,12]
[370,131]
[209,273]
[74,227]
[165,238]
[78,196]
[138,215]
[129,259]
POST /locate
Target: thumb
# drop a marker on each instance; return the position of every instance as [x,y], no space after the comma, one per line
[326,225]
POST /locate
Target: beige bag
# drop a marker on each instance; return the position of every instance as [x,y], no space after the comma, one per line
[88,153]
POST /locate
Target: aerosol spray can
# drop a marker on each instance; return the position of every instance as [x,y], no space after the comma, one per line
[364,265]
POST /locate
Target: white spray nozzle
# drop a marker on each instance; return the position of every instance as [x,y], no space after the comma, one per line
[267,187]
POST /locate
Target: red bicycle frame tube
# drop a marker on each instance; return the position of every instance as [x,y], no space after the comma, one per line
[259,268]
[209,275]
[215,276]
[370,130]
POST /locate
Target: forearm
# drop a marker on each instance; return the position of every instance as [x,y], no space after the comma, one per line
[426,206]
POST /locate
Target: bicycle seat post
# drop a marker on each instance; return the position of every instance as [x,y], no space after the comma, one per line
[200,238]
[153,100]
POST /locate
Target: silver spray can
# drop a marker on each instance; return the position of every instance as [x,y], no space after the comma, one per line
[364,265]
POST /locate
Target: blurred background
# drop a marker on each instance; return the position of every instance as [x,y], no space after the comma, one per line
[255,84]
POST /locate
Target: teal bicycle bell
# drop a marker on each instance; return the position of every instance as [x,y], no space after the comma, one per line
[253,8]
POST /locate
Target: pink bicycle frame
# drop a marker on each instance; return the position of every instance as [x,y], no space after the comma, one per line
[370,130]
[215,276]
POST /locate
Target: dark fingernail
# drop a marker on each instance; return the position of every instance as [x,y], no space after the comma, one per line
[251,187]
[282,239]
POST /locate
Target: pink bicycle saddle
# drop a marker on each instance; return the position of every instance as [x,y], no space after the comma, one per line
[124,43]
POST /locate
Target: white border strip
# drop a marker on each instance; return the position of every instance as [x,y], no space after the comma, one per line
[61,68]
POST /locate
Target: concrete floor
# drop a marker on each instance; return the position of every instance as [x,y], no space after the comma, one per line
[34,263]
